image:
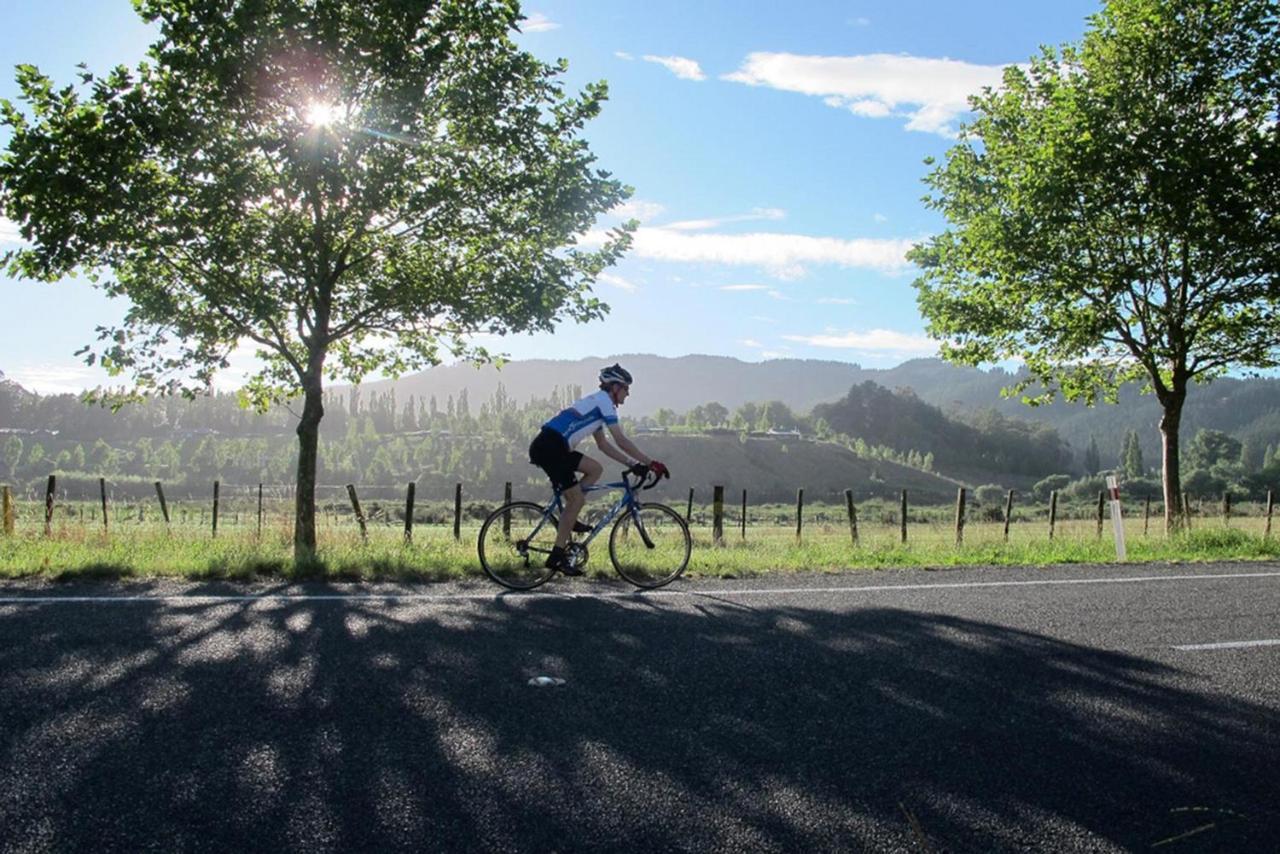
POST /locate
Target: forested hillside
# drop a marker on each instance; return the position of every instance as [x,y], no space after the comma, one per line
[1248,409]
[927,422]
[374,441]
[989,441]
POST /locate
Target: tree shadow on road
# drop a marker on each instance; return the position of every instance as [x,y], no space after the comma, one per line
[324,725]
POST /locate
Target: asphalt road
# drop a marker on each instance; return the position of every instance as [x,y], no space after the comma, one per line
[1064,709]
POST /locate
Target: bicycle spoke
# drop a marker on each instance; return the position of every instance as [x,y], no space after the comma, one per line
[650,548]
[514,543]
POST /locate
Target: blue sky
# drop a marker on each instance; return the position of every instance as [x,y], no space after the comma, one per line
[776,151]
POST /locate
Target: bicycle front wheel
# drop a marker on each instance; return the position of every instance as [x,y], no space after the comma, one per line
[650,545]
[514,544]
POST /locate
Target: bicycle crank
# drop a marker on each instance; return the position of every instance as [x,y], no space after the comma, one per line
[576,555]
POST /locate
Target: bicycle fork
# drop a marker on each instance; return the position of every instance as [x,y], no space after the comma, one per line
[644,535]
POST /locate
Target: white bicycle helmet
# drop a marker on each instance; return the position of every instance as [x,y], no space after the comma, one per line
[615,373]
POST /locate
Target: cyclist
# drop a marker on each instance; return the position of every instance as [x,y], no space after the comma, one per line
[552,451]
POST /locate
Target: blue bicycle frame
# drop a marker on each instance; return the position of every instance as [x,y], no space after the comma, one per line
[627,503]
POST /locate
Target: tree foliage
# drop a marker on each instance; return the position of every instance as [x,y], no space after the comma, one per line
[1115,209]
[1092,457]
[1131,462]
[349,186]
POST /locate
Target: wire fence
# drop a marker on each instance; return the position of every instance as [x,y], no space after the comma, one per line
[373,510]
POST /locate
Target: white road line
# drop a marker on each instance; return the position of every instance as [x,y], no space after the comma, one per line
[1193,647]
[608,594]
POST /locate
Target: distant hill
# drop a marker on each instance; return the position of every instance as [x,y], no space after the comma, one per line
[678,383]
[1248,409]
[771,470]
[902,421]
[922,406]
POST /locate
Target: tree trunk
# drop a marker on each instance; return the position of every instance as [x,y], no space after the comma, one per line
[1169,424]
[304,522]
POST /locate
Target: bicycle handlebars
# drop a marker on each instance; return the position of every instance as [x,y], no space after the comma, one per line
[648,480]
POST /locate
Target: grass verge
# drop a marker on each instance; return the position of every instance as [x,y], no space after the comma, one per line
[147,551]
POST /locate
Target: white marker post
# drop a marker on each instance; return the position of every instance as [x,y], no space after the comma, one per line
[1117,518]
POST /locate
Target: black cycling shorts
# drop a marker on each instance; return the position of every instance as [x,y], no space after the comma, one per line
[550,452]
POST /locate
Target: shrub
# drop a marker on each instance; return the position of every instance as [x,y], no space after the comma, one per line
[1142,487]
[1054,481]
[1085,489]
[990,495]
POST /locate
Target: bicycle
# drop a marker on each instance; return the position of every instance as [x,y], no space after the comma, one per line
[649,545]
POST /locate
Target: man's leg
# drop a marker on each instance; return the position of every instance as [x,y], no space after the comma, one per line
[574,499]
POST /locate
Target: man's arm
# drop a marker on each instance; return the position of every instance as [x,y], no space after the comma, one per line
[609,450]
[627,445]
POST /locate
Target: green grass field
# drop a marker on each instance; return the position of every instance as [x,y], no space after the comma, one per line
[79,548]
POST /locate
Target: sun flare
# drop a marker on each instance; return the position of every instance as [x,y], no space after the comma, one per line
[320,114]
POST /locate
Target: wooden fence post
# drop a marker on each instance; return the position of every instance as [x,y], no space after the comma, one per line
[1053,511]
[960,516]
[1186,510]
[506,517]
[903,515]
[717,515]
[1008,514]
[1226,508]
[408,509]
[1102,503]
[259,510]
[853,515]
[457,511]
[1271,503]
[688,513]
[6,509]
[1146,515]
[48,505]
[799,512]
[102,491]
[744,514]
[355,506]
[216,485]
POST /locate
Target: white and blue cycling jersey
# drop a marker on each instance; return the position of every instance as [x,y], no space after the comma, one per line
[584,417]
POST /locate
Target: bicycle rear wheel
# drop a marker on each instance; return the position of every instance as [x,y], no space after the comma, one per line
[650,546]
[514,544]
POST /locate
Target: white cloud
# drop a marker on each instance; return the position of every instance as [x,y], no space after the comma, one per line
[875,341]
[751,342]
[536,22]
[68,377]
[74,377]
[703,224]
[9,234]
[930,93]
[744,287]
[879,217]
[779,295]
[860,22]
[637,209]
[242,363]
[616,281]
[866,109]
[761,318]
[685,69]
[781,254]
[622,54]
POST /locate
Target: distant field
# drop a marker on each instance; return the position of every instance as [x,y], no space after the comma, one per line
[132,548]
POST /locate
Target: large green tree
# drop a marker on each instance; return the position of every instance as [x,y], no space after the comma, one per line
[1114,210]
[344,185]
